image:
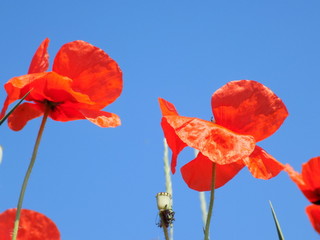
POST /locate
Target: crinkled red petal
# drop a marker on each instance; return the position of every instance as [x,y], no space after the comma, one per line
[57,89]
[101,118]
[22,114]
[32,226]
[198,173]
[262,165]
[40,60]
[313,212]
[224,173]
[17,87]
[248,107]
[308,180]
[311,177]
[167,108]
[219,144]
[93,72]
[173,141]
[67,112]
[45,86]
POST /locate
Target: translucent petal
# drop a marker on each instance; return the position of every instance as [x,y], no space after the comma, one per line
[17,87]
[22,114]
[174,142]
[167,108]
[313,212]
[93,72]
[217,143]
[224,173]
[100,118]
[262,165]
[198,173]
[309,180]
[248,107]
[33,225]
[40,60]
[311,176]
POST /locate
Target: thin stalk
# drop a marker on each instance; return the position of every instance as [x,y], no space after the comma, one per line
[203,202]
[27,176]
[168,178]
[165,230]
[207,228]
[203,206]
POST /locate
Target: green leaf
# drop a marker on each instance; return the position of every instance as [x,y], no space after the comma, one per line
[8,114]
[280,235]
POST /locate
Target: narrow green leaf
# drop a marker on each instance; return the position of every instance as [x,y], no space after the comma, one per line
[280,235]
[8,114]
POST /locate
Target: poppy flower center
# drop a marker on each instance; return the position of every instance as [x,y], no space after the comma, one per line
[51,105]
[317,193]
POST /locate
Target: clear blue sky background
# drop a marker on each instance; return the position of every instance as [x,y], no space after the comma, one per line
[101,183]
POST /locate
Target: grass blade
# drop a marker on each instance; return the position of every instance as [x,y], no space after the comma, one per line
[8,114]
[280,235]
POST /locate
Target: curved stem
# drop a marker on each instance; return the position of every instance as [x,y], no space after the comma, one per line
[26,178]
[207,228]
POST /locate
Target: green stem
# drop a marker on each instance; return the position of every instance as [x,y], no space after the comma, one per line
[26,178]
[165,229]
[207,228]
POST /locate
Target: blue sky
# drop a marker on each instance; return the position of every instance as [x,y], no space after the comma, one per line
[101,183]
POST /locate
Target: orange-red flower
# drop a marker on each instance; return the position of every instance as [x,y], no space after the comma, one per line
[32,226]
[313,212]
[83,80]
[309,179]
[309,183]
[245,112]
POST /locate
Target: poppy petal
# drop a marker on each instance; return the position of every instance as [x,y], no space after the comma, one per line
[173,141]
[167,108]
[198,173]
[40,60]
[22,114]
[17,87]
[313,212]
[311,177]
[224,173]
[262,165]
[308,181]
[65,113]
[45,86]
[248,107]
[93,72]
[33,225]
[219,144]
[297,179]
[100,118]
[55,88]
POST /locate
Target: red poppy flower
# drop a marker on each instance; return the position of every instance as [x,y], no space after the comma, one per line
[313,212]
[245,112]
[83,80]
[33,226]
[309,179]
